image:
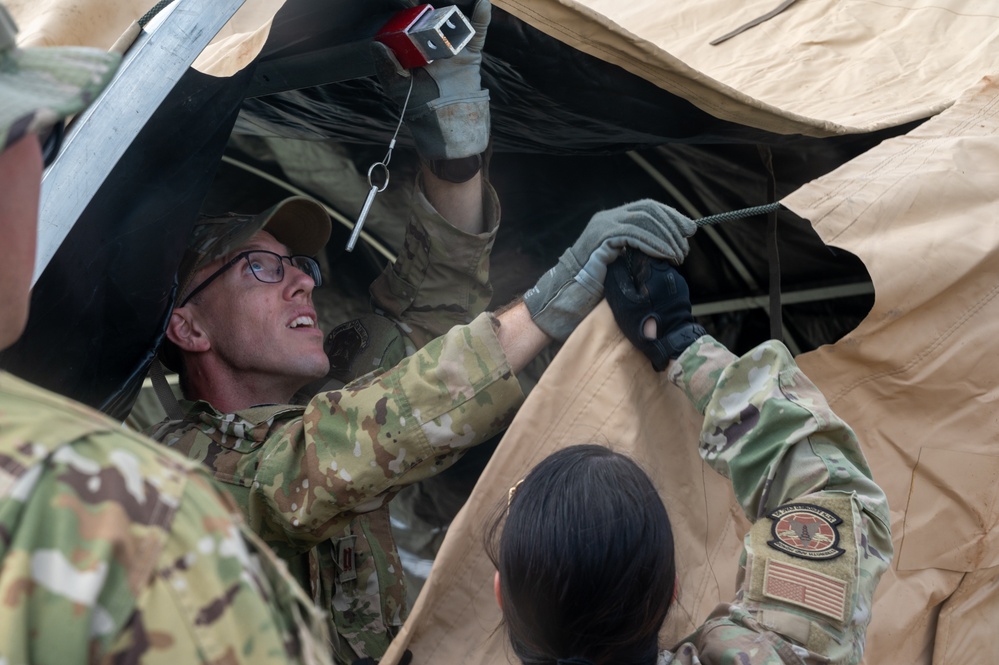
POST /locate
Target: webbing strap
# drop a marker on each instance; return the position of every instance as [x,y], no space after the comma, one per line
[163,392]
[773,251]
[773,256]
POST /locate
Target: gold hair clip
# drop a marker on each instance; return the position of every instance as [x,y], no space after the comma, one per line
[512,491]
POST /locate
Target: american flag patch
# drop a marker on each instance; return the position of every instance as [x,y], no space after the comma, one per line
[805,588]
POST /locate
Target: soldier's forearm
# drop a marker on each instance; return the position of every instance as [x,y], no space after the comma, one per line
[459,203]
[519,336]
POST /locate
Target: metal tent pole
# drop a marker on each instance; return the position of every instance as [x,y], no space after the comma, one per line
[100,135]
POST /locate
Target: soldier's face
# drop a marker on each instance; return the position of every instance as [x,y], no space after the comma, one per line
[20,183]
[263,333]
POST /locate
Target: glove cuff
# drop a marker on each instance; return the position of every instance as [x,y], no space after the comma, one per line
[457,170]
[557,303]
[451,129]
[675,342]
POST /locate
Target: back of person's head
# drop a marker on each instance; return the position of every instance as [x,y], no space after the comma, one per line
[585,560]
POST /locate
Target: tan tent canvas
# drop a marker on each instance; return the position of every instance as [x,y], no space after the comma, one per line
[916,379]
[819,67]
[101,23]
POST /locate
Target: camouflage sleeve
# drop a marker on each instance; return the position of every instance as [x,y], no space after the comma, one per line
[114,552]
[820,538]
[441,277]
[356,446]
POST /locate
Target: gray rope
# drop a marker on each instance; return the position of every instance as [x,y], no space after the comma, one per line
[737,214]
[148,16]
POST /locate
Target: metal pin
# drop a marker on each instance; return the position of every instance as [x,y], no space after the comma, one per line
[360,218]
[356,233]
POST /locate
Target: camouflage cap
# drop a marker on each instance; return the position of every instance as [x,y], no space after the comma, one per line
[41,86]
[298,222]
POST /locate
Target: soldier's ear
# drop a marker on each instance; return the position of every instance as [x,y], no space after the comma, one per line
[185,331]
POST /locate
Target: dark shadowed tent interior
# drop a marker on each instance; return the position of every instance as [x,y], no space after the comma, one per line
[591,107]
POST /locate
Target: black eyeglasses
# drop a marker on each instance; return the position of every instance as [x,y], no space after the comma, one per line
[267,267]
[52,142]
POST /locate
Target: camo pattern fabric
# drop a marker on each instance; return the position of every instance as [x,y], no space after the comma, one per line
[302,475]
[115,550]
[41,86]
[441,277]
[820,538]
[439,280]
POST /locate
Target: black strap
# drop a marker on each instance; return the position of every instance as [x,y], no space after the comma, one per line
[773,252]
[167,399]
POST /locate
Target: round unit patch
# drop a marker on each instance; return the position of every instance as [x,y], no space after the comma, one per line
[805,531]
[344,343]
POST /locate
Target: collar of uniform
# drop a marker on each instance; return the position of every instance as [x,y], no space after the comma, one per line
[252,424]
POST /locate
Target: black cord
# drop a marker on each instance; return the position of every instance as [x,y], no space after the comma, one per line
[148,16]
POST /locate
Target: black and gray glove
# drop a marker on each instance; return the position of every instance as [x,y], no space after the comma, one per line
[572,288]
[640,288]
[448,111]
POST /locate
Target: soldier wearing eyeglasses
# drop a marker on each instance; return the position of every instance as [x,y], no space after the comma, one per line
[433,375]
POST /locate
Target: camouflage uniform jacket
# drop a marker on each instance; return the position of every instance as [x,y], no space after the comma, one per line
[440,280]
[820,538]
[316,479]
[115,550]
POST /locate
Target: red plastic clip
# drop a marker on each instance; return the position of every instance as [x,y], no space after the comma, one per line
[419,35]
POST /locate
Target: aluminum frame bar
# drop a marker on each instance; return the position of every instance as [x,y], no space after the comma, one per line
[787,297]
[99,137]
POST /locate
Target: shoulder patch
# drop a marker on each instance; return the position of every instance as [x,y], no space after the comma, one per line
[344,343]
[805,531]
[806,588]
[804,561]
